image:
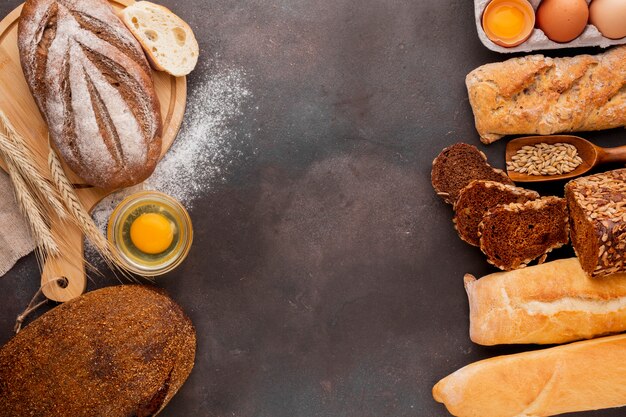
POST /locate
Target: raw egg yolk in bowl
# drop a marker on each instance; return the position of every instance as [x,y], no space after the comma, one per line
[152,233]
[508,23]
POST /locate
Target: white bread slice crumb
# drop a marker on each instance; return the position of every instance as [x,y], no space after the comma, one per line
[167,40]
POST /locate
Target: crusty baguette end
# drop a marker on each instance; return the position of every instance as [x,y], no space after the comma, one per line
[580,376]
[545,304]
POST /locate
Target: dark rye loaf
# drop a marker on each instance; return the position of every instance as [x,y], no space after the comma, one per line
[458,165]
[94,87]
[597,205]
[477,198]
[512,235]
[116,352]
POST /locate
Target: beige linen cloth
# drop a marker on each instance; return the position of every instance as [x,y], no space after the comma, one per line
[15,239]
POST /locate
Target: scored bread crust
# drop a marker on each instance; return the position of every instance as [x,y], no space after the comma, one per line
[94,87]
[545,304]
[540,95]
[116,352]
[154,49]
[581,376]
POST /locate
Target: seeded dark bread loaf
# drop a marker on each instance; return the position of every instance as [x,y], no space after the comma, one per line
[477,198]
[458,165]
[539,95]
[93,85]
[597,205]
[116,352]
[512,235]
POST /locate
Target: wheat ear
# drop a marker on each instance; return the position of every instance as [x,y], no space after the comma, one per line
[34,214]
[14,147]
[79,213]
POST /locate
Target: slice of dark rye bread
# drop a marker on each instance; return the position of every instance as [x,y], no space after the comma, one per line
[457,165]
[477,198]
[512,235]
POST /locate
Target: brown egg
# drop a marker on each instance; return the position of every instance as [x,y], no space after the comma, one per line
[609,16]
[562,20]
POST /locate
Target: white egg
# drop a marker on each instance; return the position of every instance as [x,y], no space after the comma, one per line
[609,16]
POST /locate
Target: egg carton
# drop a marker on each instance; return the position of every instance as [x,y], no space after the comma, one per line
[591,36]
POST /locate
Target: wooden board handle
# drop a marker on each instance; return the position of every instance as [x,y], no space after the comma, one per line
[69,264]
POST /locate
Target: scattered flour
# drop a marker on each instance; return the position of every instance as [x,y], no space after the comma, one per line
[201,153]
[203,148]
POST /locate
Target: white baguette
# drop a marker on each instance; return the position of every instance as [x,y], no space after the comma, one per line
[550,303]
[167,40]
[581,376]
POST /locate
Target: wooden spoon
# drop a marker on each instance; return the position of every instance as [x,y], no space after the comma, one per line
[591,155]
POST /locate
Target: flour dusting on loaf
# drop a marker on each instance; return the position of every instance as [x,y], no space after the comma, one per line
[94,87]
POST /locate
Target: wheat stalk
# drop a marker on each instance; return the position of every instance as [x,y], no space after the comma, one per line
[79,214]
[41,195]
[17,150]
[34,213]
[73,204]
[21,159]
[24,159]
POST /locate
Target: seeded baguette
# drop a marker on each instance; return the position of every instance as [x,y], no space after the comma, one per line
[458,165]
[540,95]
[512,235]
[597,204]
[477,198]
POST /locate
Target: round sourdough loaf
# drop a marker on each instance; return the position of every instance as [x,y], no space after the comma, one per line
[94,87]
[119,351]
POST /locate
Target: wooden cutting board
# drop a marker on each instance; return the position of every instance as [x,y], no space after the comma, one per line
[18,104]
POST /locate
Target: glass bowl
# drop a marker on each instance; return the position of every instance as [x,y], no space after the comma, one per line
[138,262]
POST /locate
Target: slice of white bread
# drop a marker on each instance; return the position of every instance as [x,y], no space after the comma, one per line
[167,40]
[580,376]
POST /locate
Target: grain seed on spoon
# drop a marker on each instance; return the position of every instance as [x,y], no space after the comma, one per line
[545,159]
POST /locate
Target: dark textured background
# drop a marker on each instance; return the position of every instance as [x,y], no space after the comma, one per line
[325,277]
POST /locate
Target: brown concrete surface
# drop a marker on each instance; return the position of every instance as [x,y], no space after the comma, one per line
[325,278]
